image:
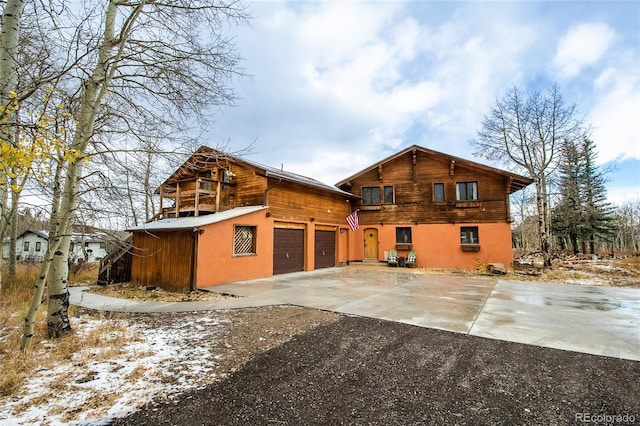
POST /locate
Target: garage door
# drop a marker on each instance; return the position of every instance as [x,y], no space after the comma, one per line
[288,250]
[325,249]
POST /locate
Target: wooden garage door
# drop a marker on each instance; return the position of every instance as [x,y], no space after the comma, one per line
[325,249]
[288,250]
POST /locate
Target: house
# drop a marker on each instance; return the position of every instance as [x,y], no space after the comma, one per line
[223,218]
[31,246]
[454,213]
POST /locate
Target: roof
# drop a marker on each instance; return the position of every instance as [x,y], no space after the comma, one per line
[172,224]
[517,181]
[206,156]
[42,234]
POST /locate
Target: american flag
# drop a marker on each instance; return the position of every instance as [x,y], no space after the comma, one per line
[352,220]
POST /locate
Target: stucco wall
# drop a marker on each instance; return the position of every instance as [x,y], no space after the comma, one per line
[216,262]
[438,245]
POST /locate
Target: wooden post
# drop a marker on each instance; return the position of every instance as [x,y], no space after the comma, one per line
[197,200]
[178,199]
[218,188]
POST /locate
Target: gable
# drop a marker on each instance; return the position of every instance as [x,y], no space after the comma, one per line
[413,164]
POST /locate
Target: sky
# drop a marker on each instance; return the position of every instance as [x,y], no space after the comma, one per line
[337,86]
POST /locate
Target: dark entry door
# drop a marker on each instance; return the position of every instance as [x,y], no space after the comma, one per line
[325,249]
[288,250]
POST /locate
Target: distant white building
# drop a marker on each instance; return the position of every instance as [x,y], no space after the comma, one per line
[32,245]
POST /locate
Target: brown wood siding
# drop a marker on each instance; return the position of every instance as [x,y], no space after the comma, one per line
[290,201]
[250,187]
[164,259]
[413,192]
[288,250]
[325,249]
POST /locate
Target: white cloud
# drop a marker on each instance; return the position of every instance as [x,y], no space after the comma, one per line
[615,115]
[583,45]
[353,81]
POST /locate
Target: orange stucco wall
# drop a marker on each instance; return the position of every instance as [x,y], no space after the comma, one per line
[216,262]
[438,245]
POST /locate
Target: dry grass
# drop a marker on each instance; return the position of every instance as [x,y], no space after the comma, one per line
[155,294]
[86,274]
[17,366]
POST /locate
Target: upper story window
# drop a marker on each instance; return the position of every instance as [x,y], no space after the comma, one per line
[205,175]
[26,246]
[371,195]
[438,192]
[466,191]
[38,245]
[388,194]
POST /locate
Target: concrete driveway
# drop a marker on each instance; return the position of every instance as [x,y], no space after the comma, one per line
[595,320]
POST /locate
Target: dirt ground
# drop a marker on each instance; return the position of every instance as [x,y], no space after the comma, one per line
[289,365]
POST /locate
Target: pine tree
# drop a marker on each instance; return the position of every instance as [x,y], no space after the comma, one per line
[568,216]
[583,215]
[599,219]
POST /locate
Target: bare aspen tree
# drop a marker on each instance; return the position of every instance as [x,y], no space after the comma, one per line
[167,58]
[9,42]
[525,131]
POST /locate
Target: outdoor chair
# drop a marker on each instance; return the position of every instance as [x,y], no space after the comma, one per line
[411,260]
[392,258]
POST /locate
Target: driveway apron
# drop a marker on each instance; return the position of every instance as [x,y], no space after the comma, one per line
[595,320]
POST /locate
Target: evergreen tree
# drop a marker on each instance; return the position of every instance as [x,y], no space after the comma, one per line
[599,215]
[568,216]
[583,215]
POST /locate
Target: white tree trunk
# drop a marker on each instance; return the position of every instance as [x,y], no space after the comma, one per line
[9,39]
[57,284]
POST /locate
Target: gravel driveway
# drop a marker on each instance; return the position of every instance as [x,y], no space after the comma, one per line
[369,371]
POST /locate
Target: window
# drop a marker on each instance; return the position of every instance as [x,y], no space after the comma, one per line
[371,195]
[38,245]
[438,192]
[403,235]
[469,235]
[205,185]
[388,194]
[26,246]
[244,240]
[466,191]
[86,244]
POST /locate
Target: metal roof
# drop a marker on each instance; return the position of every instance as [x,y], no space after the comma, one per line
[195,222]
[210,155]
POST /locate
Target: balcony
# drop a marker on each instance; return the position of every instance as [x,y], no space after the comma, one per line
[195,196]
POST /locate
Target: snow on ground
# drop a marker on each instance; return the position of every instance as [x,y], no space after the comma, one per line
[112,380]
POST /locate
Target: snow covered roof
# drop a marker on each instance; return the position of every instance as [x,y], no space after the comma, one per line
[195,222]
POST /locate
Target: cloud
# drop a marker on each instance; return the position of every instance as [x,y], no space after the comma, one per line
[340,85]
[614,116]
[583,45]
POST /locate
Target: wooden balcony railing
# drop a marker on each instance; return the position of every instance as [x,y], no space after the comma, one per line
[195,196]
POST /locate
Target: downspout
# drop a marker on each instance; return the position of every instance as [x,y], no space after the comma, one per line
[269,188]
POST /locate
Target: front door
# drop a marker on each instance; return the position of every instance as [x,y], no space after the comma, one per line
[371,243]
